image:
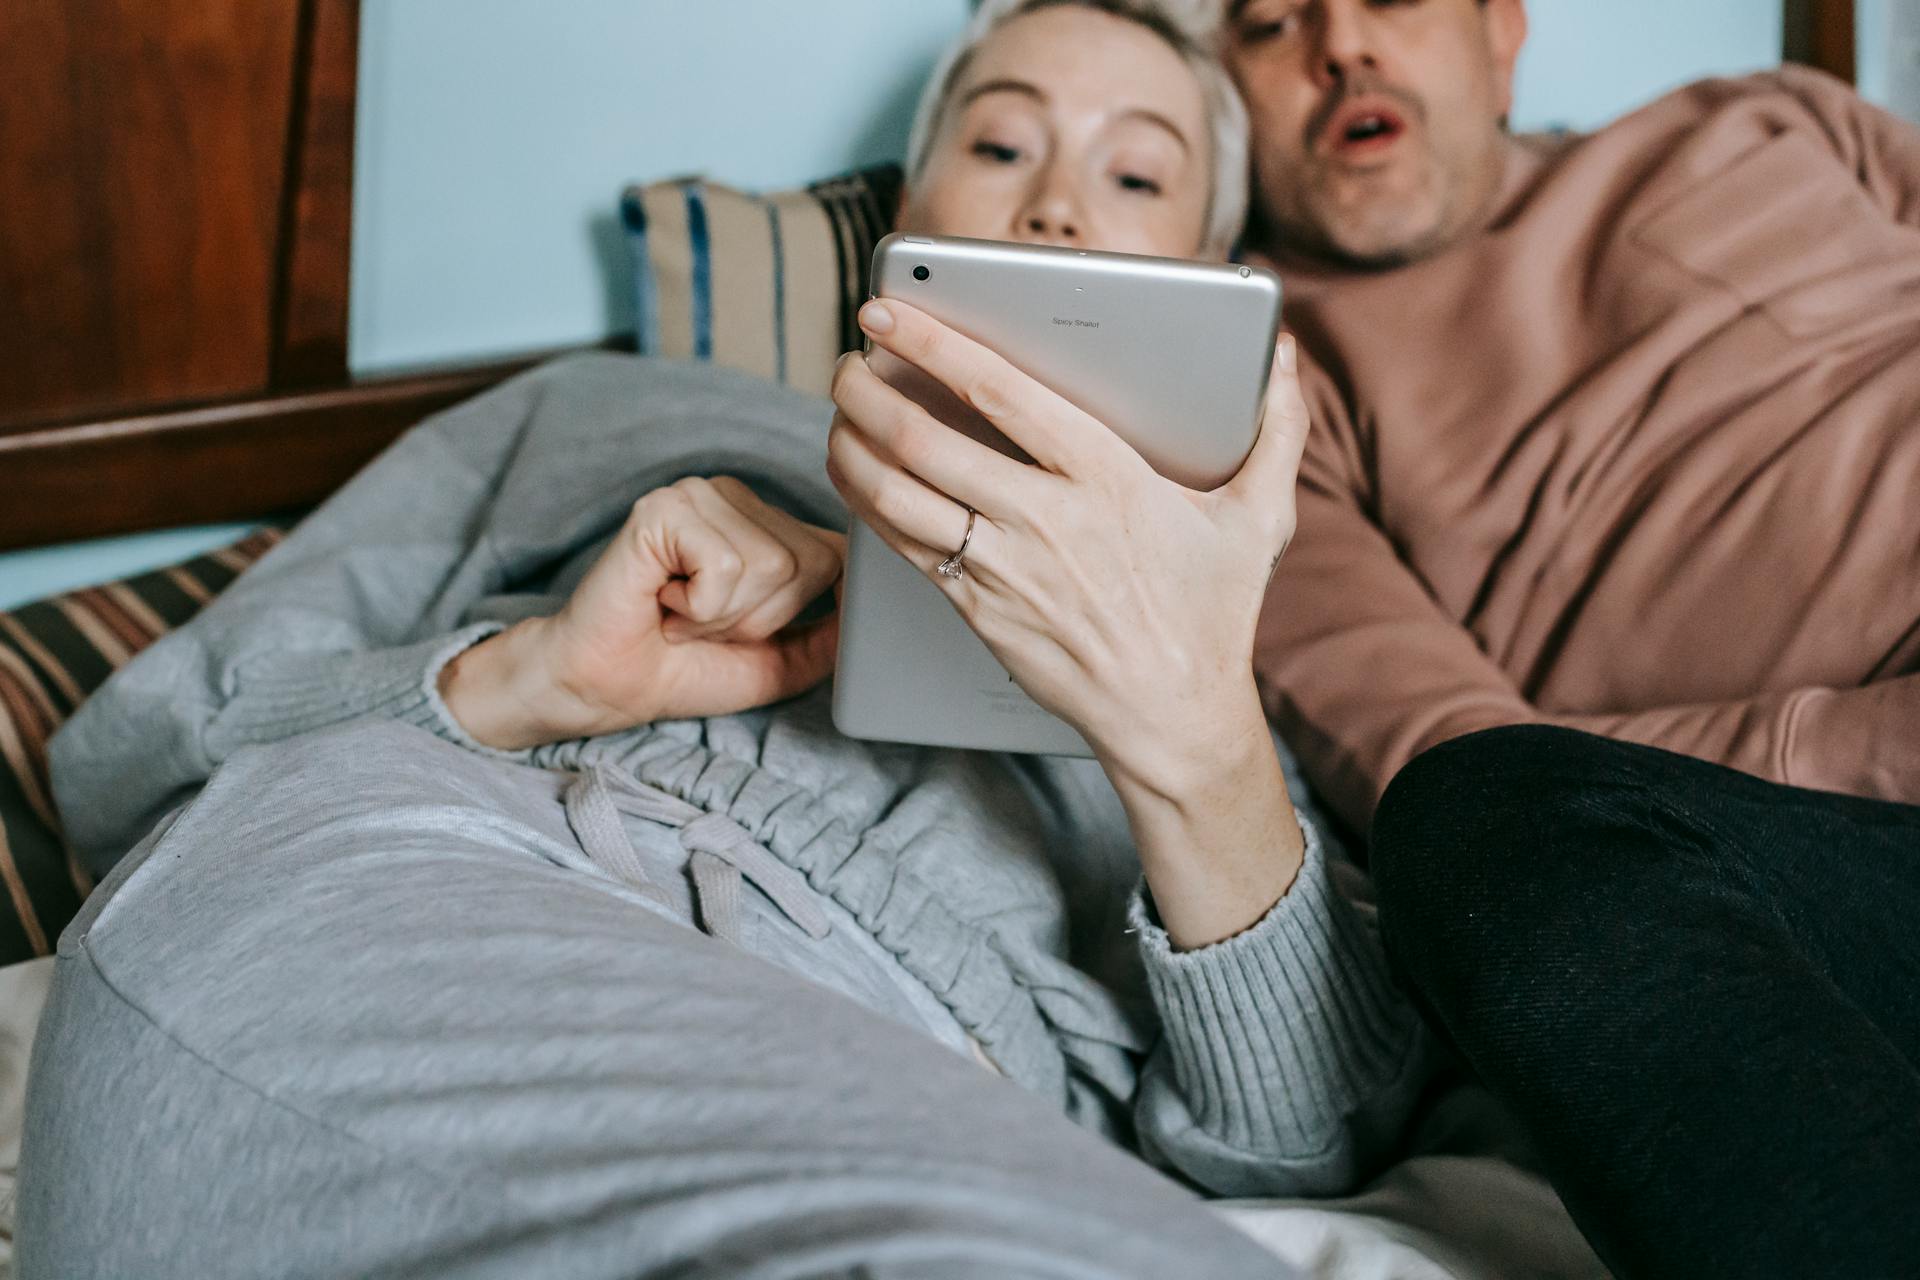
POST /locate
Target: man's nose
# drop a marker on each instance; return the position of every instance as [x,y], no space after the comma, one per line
[1347,42]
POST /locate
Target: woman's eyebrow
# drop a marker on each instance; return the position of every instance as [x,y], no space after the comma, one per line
[1028,89]
[1154,117]
[1003,85]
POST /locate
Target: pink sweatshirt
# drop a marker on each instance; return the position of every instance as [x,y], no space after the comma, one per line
[1640,457]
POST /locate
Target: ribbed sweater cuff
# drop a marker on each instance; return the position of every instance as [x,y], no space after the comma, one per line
[1280,1032]
[278,697]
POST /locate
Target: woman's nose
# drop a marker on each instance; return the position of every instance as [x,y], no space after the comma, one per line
[1050,228]
[1053,215]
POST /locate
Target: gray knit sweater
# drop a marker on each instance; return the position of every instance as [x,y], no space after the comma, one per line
[1284,1063]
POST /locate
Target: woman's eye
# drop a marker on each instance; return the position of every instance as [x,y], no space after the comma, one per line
[1255,30]
[999,153]
[1134,182]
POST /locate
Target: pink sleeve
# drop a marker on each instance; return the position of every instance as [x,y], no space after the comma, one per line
[1864,741]
[1358,665]
[1361,669]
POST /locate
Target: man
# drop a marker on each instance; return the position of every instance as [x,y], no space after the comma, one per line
[1615,457]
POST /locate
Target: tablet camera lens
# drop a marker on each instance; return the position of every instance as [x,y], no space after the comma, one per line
[921,273]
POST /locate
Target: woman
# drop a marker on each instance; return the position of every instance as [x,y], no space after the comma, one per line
[420,991]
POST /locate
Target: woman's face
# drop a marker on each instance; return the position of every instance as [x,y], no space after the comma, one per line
[1070,127]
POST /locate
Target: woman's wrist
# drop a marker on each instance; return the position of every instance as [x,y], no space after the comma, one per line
[1169,765]
[1218,836]
[505,693]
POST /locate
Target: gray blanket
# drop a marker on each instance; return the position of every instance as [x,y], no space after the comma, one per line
[1281,1062]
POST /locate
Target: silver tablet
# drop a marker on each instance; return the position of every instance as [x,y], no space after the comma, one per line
[1173,355]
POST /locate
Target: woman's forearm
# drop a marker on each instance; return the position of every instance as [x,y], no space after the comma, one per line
[1216,830]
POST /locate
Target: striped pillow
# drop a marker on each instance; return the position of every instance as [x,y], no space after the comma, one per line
[53,653]
[769,284]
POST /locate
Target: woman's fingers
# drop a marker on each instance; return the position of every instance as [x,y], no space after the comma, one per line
[900,508]
[1053,432]
[779,608]
[818,553]
[748,568]
[705,565]
[970,471]
[721,679]
[723,558]
[818,557]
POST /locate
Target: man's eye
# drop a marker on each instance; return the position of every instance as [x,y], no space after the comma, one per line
[997,152]
[1134,182]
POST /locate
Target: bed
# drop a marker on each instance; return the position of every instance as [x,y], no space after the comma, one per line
[1463,1203]
[1459,1207]
[769,285]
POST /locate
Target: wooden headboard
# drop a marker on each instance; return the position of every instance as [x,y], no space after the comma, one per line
[176,194]
[176,188]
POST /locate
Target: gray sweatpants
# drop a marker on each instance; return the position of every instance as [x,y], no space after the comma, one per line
[498,1063]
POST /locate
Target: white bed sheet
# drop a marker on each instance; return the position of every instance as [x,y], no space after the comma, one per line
[1459,1208]
[23,993]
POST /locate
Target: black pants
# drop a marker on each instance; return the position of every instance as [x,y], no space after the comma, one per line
[1700,992]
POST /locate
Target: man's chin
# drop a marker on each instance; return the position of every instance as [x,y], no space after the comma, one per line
[1380,239]
[1374,225]
[1374,256]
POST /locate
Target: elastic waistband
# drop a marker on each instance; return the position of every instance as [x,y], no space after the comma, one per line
[1000,1002]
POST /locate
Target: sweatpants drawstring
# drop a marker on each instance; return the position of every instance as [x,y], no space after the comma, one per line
[716,888]
[721,853]
[596,825]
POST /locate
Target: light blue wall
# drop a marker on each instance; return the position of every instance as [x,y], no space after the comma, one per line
[1591,60]
[45,571]
[1873,65]
[494,136]
[1889,54]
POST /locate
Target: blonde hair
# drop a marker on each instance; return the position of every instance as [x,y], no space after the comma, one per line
[1187,28]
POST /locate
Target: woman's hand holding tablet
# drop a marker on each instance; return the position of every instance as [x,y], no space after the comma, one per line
[1118,598]
[1121,601]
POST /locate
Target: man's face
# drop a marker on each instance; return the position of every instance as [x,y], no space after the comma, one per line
[1377,124]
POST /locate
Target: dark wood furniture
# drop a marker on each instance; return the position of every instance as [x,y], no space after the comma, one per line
[1820,33]
[231,460]
[176,193]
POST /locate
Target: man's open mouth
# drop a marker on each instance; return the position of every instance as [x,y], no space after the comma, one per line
[1363,128]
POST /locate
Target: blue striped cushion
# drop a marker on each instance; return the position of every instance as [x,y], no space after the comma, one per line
[764,283]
